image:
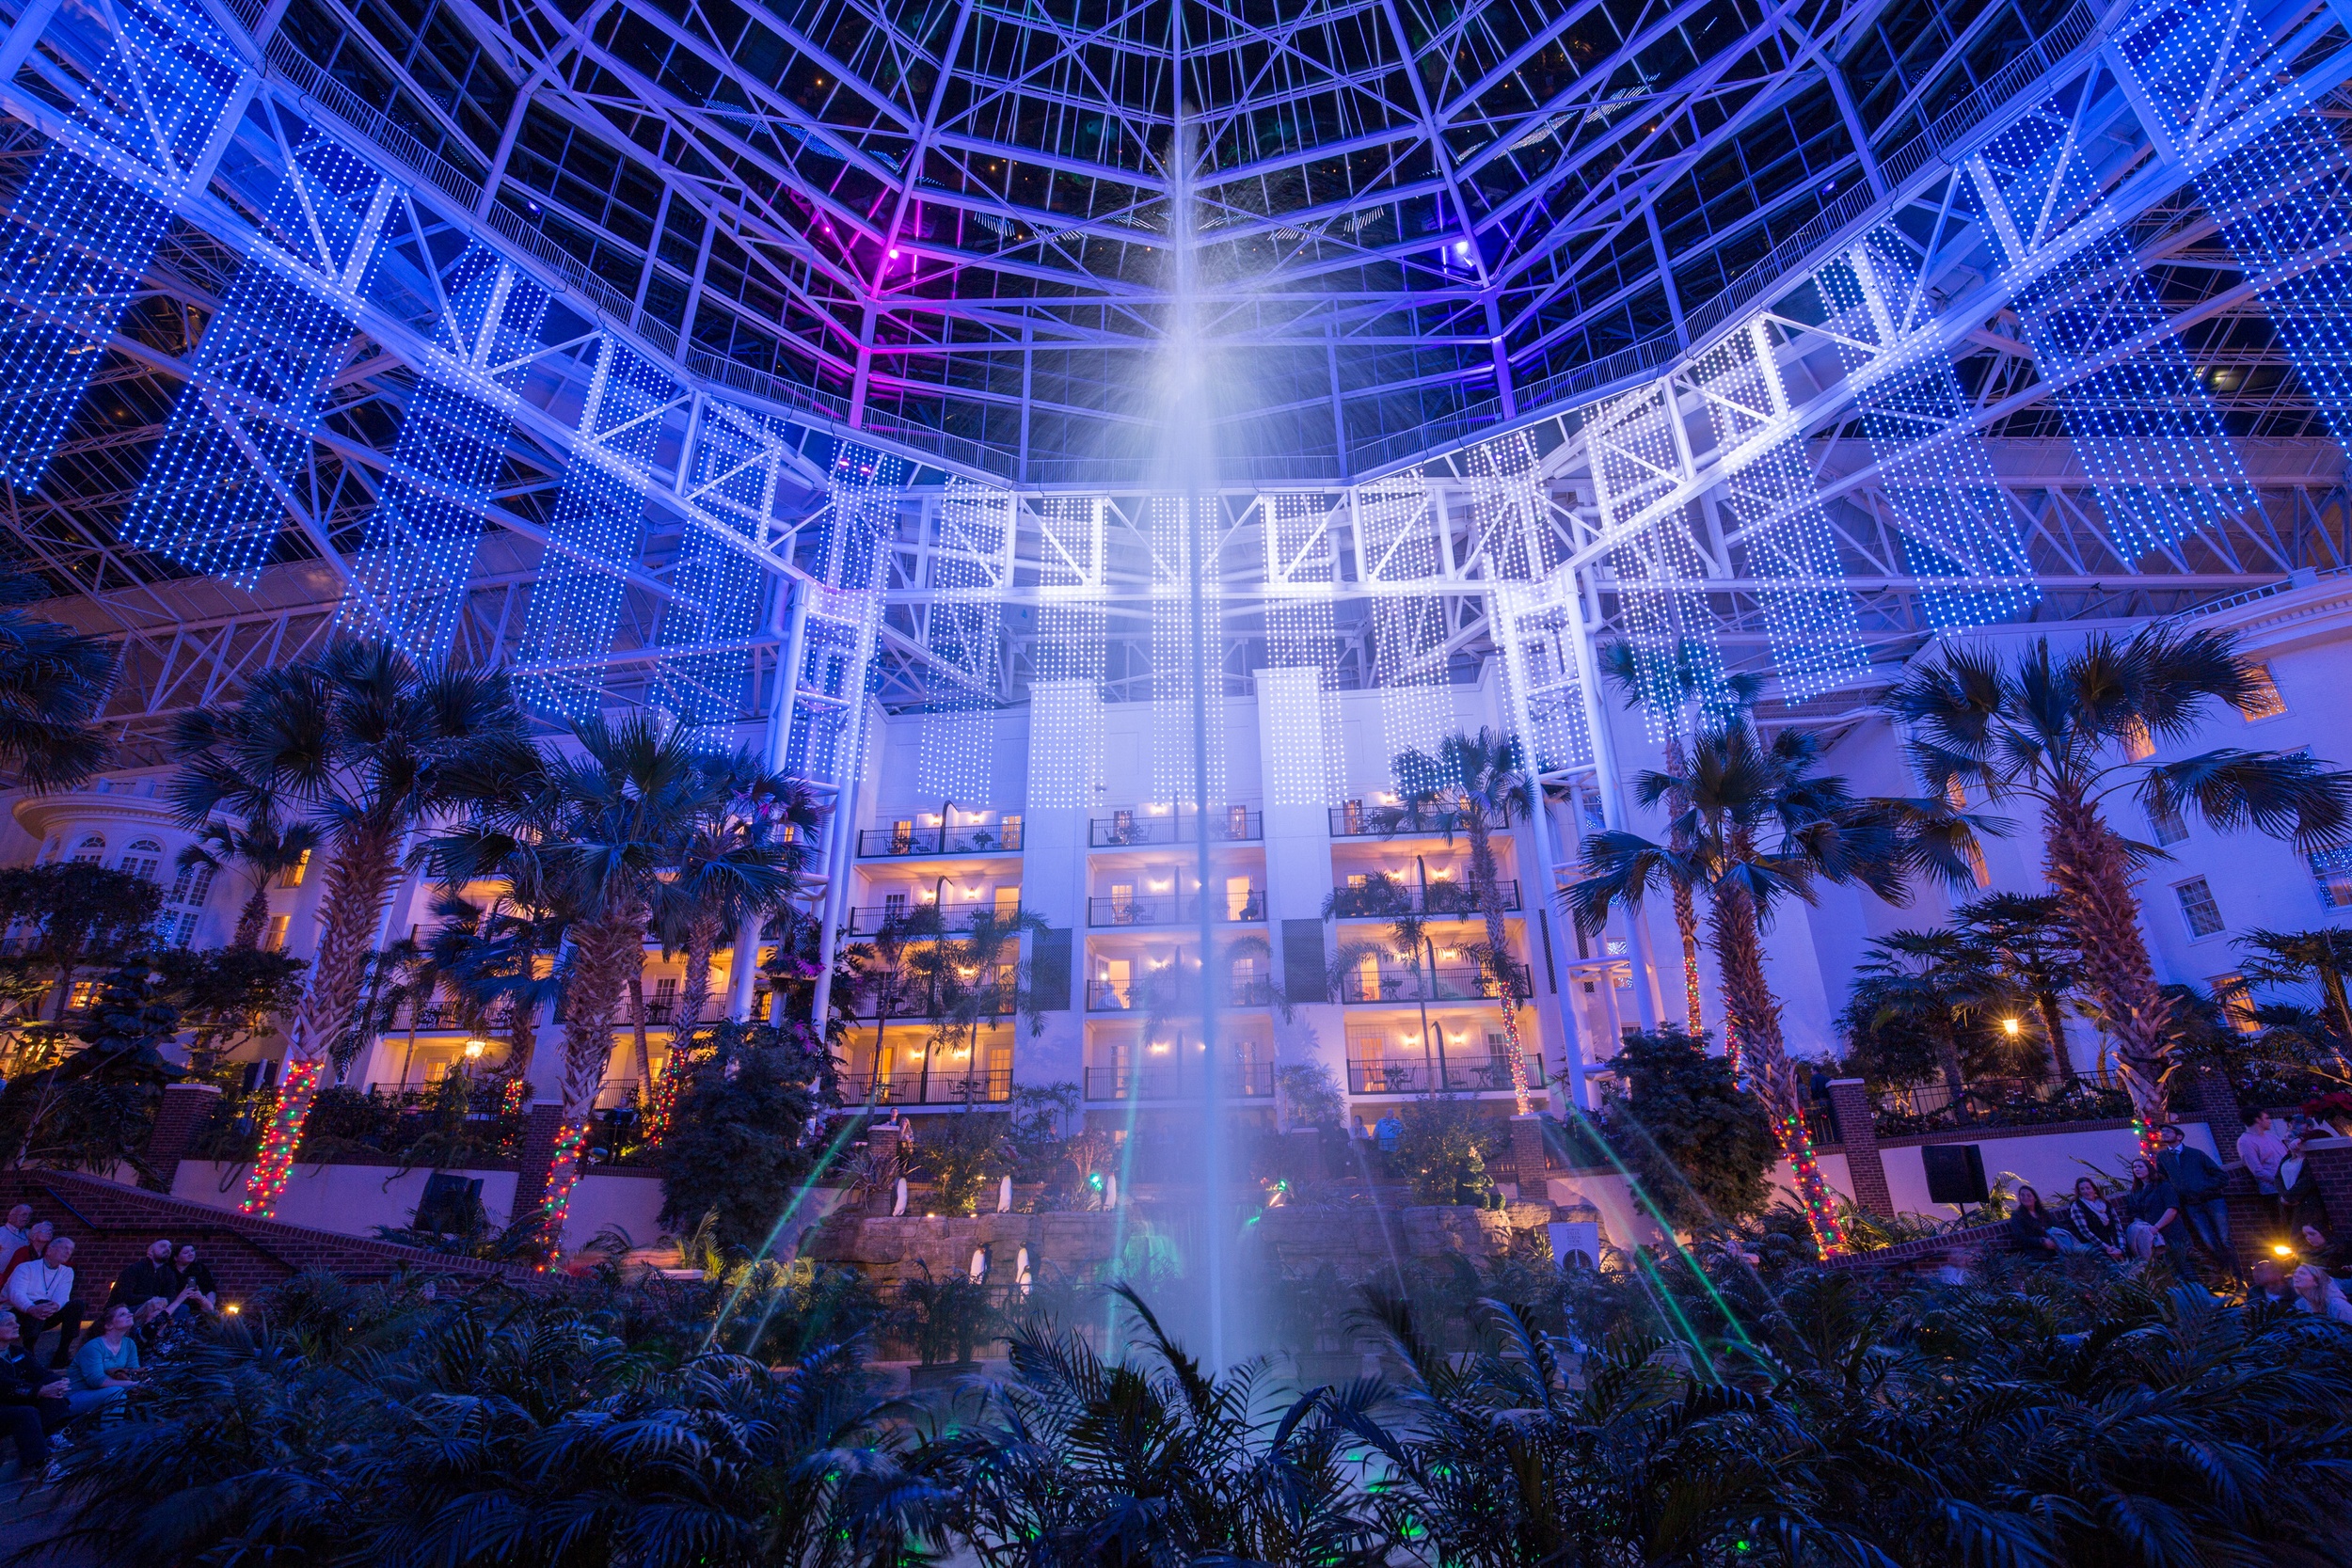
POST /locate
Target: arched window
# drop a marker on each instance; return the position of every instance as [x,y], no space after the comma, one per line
[91,849]
[144,858]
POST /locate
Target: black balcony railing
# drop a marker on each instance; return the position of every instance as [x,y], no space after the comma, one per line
[1384,900]
[1455,1075]
[868,919]
[1459,983]
[1997,1103]
[1124,829]
[439,1016]
[915,996]
[1169,909]
[913,1087]
[980,838]
[1357,819]
[1122,996]
[1164,1078]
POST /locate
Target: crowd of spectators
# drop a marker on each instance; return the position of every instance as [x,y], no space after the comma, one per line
[95,1358]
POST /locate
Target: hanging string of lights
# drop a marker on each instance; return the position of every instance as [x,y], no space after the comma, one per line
[1396,524]
[971,565]
[272,1164]
[1066,675]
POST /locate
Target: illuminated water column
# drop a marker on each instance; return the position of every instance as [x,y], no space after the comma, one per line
[1960,533]
[1300,685]
[79,239]
[719,581]
[216,489]
[592,538]
[409,574]
[1396,538]
[1663,617]
[1165,518]
[1066,668]
[971,569]
[2141,421]
[863,492]
[1809,613]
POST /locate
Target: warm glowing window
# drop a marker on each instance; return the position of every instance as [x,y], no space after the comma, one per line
[2237,1002]
[293,874]
[2263,699]
[274,940]
[2139,744]
[1008,900]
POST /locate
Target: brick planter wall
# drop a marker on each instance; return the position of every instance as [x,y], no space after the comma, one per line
[184,1109]
[111,1224]
[1858,1140]
[534,1152]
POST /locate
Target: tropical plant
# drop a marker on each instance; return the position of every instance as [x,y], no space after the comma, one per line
[734,1148]
[1764,825]
[92,1109]
[716,886]
[2071,733]
[53,683]
[79,913]
[2026,943]
[1309,1095]
[371,749]
[1938,981]
[1699,1146]
[264,849]
[2322,957]
[1689,683]
[1478,786]
[963,1155]
[1444,1148]
[599,835]
[1153,1459]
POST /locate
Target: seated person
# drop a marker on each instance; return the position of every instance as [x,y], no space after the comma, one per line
[32,1400]
[37,1241]
[41,1294]
[2316,1291]
[2036,1232]
[16,1233]
[2266,1282]
[198,1293]
[107,1364]
[2095,1222]
[2322,1253]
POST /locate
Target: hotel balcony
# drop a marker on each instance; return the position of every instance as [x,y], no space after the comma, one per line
[955,919]
[1447,983]
[913,1087]
[1457,1075]
[1111,995]
[1383,900]
[1124,829]
[907,840]
[1169,909]
[1165,1079]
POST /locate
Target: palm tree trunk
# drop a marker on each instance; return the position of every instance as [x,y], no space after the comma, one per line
[1751,1010]
[1487,886]
[607,955]
[1947,1062]
[637,1027]
[2054,1025]
[2332,983]
[358,880]
[702,940]
[253,917]
[2087,868]
[1686,907]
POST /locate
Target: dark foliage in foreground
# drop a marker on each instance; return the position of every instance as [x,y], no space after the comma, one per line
[2039,1417]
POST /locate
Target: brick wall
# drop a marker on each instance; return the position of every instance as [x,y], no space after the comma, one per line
[111,1224]
[1858,1140]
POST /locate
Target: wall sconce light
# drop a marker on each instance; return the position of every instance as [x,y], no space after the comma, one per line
[474,1050]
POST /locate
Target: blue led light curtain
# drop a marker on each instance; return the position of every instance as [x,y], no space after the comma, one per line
[1810,614]
[591,539]
[1960,536]
[236,435]
[1066,678]
[719,584]
[2142,424]
[1298,688]
[955,756]
[864,490]
[78,238]
[409,574]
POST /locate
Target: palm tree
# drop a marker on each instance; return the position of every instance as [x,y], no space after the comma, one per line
[2026,943]
[370,747]
[2296,957]
[600,834]
[2064,733]
[264,848]
[713,897]
[1938,981]
[1476,784]
[1703,703]
[1762,825]
[52,682]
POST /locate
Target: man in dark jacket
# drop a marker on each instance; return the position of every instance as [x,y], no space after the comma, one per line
[2197,1182]
[147,1286]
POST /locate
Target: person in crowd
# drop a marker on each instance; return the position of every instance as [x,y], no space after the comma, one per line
[149,1286]
[1389,1130]
[16,1233]
[2038,1233]
[2154,1210]
[2198,1183]
[41,1294]
[2263,1151]
[108,1362]
[2333,1257]
[2266,1281]
[33,1402]
[2316,1291]
[197,1289]
[2095,1222]
[37,1238]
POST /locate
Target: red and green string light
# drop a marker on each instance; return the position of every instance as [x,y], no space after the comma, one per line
[563,1180]
[274,1165]
[1813,1190]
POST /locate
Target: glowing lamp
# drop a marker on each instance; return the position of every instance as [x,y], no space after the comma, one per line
[474,1050]
[2281,1250]
[2009,1026]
